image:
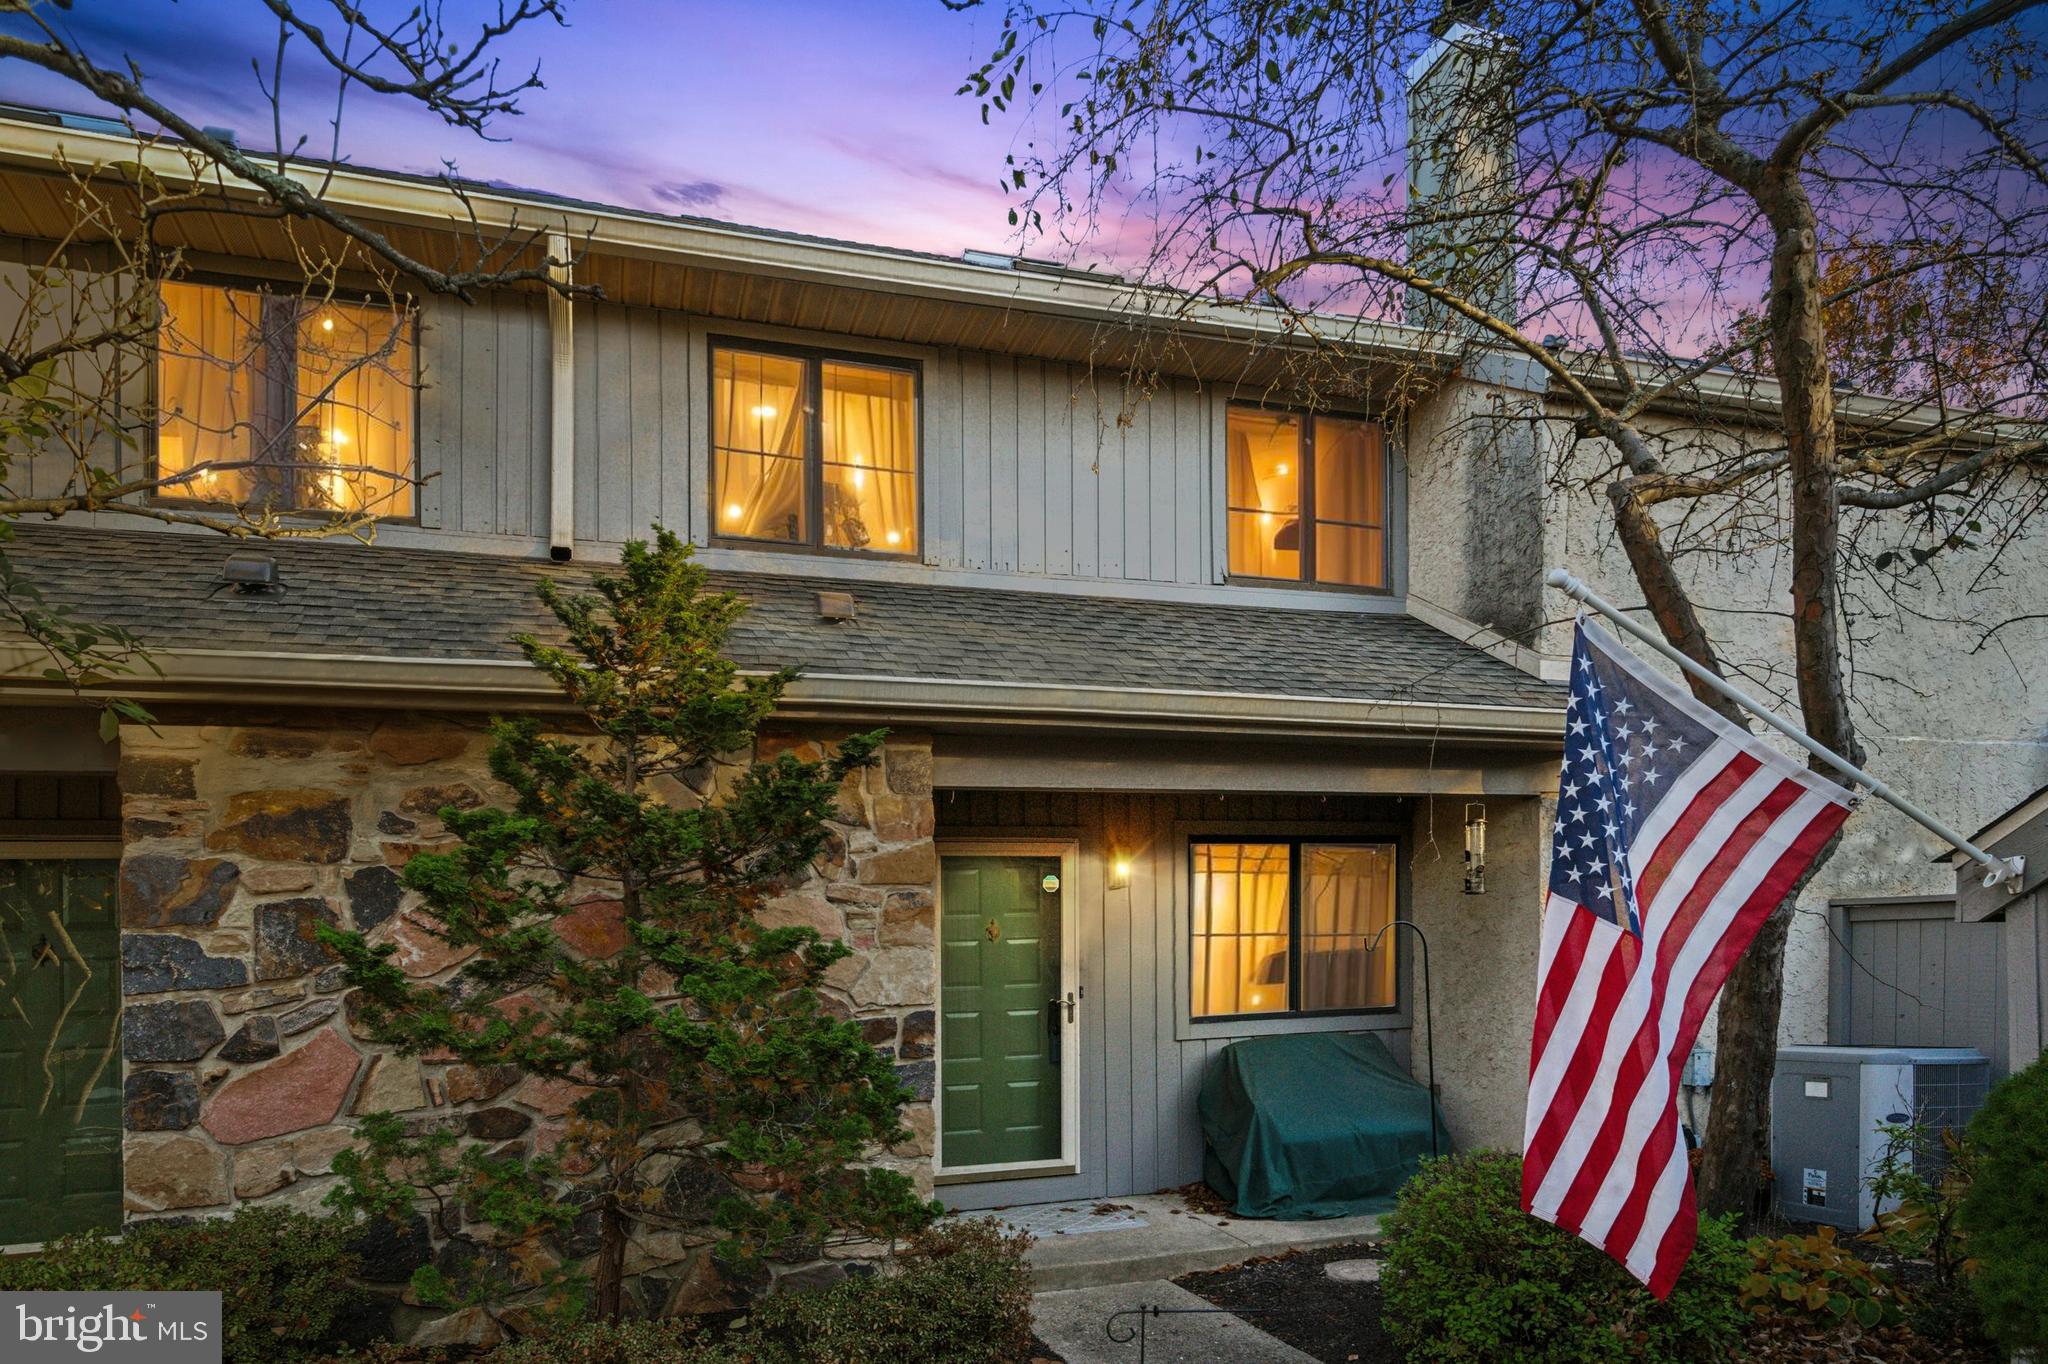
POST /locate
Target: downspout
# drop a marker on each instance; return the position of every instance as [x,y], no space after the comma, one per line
[561,406]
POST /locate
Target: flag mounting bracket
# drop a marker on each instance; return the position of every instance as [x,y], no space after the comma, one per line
[2009,870]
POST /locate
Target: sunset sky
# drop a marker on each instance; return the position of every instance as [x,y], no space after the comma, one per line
[829,116]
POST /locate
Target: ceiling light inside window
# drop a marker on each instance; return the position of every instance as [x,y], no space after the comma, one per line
[733,511]
[764,412]
[894,537]
[326,324]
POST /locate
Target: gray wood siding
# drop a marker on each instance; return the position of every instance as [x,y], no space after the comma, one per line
[1139,1077]
[483,416]
[1031,468]
[1036,467]
[1909,975]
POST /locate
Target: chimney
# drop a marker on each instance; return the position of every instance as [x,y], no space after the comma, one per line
[1461,174]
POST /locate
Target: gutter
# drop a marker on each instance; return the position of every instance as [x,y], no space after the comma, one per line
[241,678]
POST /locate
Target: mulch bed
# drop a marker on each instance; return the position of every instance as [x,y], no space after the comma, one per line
[1290,1297]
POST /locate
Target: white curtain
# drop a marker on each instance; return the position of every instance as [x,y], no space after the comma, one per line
[758,419]
[870,431]
[1240,928]
[1348,898]
[283,400]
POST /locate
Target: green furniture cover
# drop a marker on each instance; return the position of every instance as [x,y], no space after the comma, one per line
[1313,1125]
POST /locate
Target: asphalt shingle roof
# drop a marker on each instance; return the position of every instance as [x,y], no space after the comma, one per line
[383,600]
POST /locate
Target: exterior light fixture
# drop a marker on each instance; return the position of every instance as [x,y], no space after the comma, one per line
[1475,848]
[1119,871]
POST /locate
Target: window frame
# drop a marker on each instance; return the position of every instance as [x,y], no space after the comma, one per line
[814,359]
[1295,842]
[1305,449]
[260,284]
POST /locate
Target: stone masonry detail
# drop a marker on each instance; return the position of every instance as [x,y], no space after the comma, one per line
[243,1069]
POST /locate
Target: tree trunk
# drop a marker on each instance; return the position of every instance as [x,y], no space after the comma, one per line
[609,1285]
[1739,1124]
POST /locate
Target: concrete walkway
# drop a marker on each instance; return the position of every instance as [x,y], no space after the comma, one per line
[1084,1244]
[1072,1322]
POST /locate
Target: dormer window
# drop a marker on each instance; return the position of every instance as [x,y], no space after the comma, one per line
[814,450]
[278,402]
[1307,498]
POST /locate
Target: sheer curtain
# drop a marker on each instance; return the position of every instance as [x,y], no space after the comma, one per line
[758,420]
[286,402]
[354,414]
[207,344]
[870,456]
[1348,898]
[1239,932]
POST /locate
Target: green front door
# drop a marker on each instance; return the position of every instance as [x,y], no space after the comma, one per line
[60,1038]
[999,975]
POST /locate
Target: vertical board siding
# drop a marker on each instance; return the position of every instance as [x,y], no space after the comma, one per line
[1140,1130]
[1031,468]
[482,432]
[1911,976]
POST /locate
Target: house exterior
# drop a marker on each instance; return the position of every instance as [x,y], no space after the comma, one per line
[1191,690]
[1171,744]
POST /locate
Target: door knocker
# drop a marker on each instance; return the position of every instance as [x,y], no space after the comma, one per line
[994,931]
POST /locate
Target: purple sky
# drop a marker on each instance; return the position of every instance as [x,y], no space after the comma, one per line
[821,116]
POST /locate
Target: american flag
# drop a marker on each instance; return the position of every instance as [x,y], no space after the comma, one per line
[1676,833]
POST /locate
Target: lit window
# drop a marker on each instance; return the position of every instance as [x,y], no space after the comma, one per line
[275,401]
[837,470]
[1287,926]
[1307,498]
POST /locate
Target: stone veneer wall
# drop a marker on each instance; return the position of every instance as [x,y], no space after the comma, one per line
[242,1072]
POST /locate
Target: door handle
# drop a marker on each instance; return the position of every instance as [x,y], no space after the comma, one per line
[1052,1024]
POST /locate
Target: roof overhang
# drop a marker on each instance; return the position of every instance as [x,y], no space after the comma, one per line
[219,677]
[741,273]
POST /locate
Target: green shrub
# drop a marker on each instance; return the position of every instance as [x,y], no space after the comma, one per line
[2005,1213]
[1813,1278]
[283,1276]
[622,1342]
[961,1295]
[1470,1276]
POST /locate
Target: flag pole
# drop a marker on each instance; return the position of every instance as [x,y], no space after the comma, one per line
[2010,870]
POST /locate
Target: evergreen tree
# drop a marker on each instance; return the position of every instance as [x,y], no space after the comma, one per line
[710,1064]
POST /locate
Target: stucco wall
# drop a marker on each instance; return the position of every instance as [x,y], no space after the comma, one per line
[1483,962]
[1958,727]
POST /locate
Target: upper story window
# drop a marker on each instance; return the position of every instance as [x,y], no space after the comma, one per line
[814,450]
[1308,498]
[280,402]
[1290,926]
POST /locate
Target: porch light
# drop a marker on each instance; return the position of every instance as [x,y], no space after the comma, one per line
[1475,849]
[1119,872]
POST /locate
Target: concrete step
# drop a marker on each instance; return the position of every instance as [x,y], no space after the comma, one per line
[1076,1323]
[1157,1236]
